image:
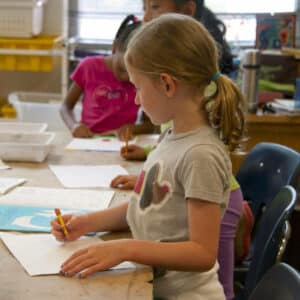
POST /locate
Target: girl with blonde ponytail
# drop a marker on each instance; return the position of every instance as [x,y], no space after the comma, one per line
[183,189]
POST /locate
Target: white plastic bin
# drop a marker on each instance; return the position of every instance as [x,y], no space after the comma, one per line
[40,107]
[32,147]
[21,18]
[20,127]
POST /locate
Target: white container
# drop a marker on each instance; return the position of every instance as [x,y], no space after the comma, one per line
[30,147]
[40,107]
[20,127]
[21,18]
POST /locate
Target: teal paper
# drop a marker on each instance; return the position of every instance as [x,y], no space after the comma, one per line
[29,219]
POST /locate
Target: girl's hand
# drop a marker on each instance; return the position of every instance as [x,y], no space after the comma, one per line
[133,152]
[95,258]
[124,182]
[77,225]
[81,131]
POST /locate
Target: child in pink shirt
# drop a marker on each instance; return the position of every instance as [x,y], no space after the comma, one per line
[108,96]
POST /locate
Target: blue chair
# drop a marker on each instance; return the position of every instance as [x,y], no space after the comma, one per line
[281,282]
[266,169]
[268,238]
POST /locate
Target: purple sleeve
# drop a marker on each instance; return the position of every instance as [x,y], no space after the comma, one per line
[229,226]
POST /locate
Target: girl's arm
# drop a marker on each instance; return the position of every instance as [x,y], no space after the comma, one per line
[199,253]
[111,219]
[67,108]
[68,115]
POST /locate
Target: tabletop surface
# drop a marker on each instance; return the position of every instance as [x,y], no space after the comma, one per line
[16,284]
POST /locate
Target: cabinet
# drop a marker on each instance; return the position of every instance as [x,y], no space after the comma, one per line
[53,79]
[273,128]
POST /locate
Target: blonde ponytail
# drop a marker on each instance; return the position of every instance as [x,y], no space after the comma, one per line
[226,112]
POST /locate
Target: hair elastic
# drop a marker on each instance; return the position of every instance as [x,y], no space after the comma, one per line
[135,19]
[215,76]
[211,89]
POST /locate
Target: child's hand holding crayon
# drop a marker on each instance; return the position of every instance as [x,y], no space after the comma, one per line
[74,227]
[133,152]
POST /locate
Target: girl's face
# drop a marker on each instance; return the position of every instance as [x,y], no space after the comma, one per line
[118,66]
[155,8]
[150,95]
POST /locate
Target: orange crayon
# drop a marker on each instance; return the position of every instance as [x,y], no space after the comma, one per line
[127,133]
[61,221]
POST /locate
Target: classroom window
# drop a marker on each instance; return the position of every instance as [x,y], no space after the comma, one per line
[251,7]
[100,19]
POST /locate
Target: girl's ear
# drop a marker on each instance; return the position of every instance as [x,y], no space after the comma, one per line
[168,84]
[189,8]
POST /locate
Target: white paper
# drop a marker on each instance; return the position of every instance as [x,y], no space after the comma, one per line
[41,254]
[285,105]
[62,198]
[3,166]
[8,183]
[103,144]
[78,176]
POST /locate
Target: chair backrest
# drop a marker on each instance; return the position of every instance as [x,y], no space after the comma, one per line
[280,282]
[268,237]
[266,169]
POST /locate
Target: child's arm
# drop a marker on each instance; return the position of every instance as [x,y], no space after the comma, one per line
[199,253]
[67,113]
[111,219]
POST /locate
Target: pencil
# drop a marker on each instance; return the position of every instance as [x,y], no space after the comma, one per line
[61,221]
[126,139]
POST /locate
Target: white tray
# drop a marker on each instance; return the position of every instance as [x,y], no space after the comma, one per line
[31,147]
[19,127]
[42,108]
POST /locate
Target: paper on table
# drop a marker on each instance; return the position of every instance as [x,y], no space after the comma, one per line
[62,198]
[78,176]
[8,183]
[41,254]
[3,166]
[103,144]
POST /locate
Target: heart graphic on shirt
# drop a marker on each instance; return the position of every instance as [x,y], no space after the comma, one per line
[153,192]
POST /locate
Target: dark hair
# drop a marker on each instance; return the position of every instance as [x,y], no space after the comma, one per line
[217,29]
[123,35]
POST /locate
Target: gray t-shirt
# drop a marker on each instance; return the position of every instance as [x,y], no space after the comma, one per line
[188,165]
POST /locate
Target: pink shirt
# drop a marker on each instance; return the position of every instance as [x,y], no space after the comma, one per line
[107,103]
